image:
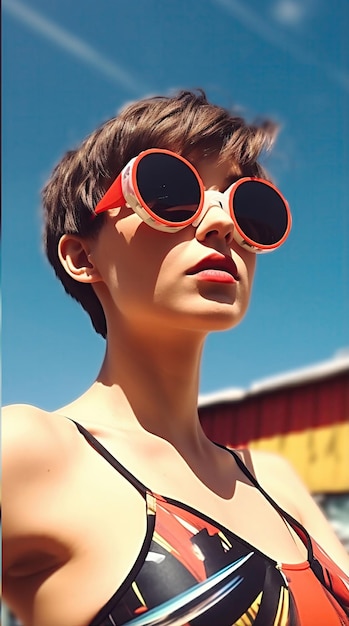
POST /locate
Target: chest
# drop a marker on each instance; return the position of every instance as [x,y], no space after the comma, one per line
[102,518]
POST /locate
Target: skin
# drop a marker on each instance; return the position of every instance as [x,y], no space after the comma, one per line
[66,511]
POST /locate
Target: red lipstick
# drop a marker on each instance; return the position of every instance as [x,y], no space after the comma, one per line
[215,268]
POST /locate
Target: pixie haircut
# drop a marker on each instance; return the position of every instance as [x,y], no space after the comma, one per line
[185,123]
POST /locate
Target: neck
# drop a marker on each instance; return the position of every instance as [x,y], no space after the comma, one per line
[153,380]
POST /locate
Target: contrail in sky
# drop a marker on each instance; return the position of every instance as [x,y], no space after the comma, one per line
[255,23]
[74,45]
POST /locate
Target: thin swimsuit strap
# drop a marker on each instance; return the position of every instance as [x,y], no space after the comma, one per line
[289,518]
[143,490]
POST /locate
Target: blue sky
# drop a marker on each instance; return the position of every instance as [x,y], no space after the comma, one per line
[67,67]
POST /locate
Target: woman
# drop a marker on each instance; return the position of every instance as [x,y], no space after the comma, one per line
[118,509]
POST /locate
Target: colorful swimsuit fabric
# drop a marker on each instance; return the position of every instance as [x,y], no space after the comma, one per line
[191,571]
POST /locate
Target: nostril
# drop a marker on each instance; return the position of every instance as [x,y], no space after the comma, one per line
[229,237]
[210,233]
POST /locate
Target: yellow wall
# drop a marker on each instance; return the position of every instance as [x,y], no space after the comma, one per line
[320,455]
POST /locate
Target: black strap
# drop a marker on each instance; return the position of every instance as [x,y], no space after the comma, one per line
[295,524]
[143,490]
[112,460]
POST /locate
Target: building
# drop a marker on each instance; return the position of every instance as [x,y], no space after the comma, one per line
[302,415]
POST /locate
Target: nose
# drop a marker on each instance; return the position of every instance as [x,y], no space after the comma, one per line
[214,220]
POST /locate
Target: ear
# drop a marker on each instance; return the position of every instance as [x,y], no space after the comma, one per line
[74,254]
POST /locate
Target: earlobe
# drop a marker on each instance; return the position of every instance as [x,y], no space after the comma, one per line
[74,254]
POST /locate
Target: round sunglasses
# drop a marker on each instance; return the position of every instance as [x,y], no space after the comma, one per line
[167,193]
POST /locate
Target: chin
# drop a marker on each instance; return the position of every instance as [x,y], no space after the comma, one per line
[217,317]
[226,322]
[209,313]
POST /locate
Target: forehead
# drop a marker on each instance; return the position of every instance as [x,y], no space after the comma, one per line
[218,173]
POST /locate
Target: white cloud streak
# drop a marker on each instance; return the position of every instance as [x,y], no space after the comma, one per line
[74,46]
[255,23]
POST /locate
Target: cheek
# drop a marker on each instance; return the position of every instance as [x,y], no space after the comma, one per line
[251,268]
[251,262]
[246,262]
[129,256]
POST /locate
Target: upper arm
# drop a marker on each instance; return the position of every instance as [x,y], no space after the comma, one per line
[281,481]
[34,457]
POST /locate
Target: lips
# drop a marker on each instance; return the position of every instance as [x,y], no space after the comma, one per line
[218,262]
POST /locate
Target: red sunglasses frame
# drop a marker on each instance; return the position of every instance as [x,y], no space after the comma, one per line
[124,191]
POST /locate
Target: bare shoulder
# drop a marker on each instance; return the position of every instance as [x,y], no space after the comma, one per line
[273,469]
[36,457]
[27,417]
[281,481]
[277,477]
[32,436]
[37,450]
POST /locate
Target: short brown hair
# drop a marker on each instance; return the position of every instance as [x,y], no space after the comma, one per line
[185,123]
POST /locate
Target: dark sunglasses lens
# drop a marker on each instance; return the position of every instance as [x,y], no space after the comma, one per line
[260,212]
[168,187]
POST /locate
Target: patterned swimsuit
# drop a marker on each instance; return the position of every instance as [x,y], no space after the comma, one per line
[191,571]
